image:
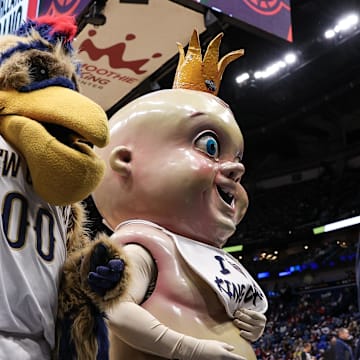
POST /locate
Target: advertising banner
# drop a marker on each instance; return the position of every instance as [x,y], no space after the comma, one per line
[271,16]
[14,12]
[136,40]
[62,7]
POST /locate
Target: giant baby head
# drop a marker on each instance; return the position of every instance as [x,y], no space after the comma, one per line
[174,158]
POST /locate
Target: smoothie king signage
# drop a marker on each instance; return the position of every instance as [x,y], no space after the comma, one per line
[135,41]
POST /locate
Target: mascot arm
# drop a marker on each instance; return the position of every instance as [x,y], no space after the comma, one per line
[95,271]
[131,322]
[94,277]
[84,276]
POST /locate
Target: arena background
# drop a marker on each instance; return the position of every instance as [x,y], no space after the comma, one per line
[295,95]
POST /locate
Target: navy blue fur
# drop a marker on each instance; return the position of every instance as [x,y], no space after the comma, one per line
[60,81]
[102,337]
[46,32]
[67,349]
[21,47]
[66,345]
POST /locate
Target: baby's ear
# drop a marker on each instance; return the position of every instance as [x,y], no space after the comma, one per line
[120,160]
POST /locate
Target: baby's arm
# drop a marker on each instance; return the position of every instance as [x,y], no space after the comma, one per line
[138,328]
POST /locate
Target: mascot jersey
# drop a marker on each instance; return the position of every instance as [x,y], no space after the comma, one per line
[33,238]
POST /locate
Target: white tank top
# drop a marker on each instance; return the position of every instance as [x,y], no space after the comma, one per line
[228,278]
[232,283]
[32,253]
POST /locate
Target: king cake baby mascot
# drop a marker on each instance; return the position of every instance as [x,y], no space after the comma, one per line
[47,166]
[172,195]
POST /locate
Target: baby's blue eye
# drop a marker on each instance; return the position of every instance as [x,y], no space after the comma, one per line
[211,147]
[208,144]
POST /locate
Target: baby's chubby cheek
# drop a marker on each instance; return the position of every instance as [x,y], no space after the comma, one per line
[241,204]
[203,171]
[194,164]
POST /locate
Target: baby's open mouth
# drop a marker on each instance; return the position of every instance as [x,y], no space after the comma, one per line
[227,197]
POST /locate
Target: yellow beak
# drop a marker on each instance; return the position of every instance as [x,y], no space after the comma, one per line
[62,171]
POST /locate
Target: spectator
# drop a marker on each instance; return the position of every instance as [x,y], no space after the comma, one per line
[301,321]
[343,350]
[329,353]
[305,354]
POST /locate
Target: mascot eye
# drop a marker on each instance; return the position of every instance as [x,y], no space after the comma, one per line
[208,144]
[38,71]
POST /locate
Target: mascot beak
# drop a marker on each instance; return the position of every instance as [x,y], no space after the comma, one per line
[54,129]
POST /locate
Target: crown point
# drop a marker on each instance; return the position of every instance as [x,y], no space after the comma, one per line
[197,74]
[194,43]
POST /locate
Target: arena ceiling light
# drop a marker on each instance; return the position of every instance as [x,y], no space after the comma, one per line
[345,24]
[290,58]
[242,78]
[287,60]
[270,70]
[337,225]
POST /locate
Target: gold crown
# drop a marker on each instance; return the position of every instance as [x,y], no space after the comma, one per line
[194,73]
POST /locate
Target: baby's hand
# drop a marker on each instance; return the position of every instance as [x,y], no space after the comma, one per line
[212,349]
[250,322]
[190,348]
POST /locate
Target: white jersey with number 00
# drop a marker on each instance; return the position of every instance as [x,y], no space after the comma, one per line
[32,253]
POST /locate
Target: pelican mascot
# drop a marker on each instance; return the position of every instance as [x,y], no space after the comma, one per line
[55,284]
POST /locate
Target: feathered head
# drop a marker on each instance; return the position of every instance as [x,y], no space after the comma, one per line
[39,54]
[53,29]
[52,126]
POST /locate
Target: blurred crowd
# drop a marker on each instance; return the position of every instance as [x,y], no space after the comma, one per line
[295,319]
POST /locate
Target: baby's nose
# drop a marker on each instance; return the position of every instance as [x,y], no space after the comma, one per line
[232,170]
